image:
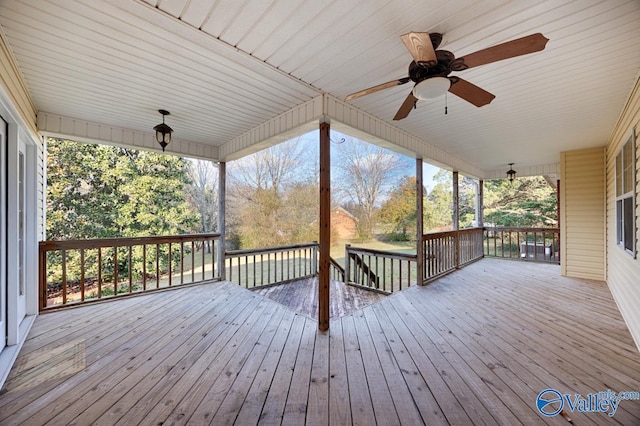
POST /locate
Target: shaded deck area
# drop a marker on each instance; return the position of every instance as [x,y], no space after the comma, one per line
[476,346]
[302,297]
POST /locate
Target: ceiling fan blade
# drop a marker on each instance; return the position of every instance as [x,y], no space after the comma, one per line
[470,92]
[421,48]
[522,46]
[377,88]
[406,107]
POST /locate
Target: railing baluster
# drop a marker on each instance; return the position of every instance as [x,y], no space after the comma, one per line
[534,244]
[261,269]
[43,284]
[212,243]
[157,265]
[115,270]
[130,269]
[203,260]
[254,270]
[240,270]
[99,272]
[64,276]
[144,267]
[82,277]
[170,262]
[193,262]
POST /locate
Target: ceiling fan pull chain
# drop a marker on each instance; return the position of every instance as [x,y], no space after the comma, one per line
[445,103]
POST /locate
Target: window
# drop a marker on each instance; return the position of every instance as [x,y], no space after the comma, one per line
[625,197]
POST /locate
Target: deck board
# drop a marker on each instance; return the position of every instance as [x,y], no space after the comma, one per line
[475,346]
[302,297]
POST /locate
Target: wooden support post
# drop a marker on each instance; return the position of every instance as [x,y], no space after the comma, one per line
[419,220]
[325,227]
[480,204]
[456,202]
[558,213]
[456,218]
[222,195]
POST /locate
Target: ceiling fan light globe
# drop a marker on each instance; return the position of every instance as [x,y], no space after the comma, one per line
[431,88]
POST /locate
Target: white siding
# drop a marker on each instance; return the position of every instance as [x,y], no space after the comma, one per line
[347,119]
[623,270]
[85,131]
[17,108]
[14,86]
[582,194]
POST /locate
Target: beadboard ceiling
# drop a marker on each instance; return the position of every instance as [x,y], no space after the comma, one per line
[223,67]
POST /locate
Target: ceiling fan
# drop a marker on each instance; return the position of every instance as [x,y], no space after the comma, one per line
[430,69]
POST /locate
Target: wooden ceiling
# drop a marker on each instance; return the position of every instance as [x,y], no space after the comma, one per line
[224,67]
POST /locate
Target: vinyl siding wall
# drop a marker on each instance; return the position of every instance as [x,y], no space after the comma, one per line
[17,108]
[623,270]
[582,213]
[14,87]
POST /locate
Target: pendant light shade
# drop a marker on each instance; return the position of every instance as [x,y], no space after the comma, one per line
[511,174]
[163,131]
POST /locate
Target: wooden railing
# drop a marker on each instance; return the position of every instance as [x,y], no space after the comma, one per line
[336,271]
[447,251]
[532,244]
[79,271]
[383,271]
[275,265]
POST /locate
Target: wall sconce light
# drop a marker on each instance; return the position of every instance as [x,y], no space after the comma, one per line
[511,174]
[163,132]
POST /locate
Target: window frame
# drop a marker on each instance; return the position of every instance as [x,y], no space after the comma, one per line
[622,198]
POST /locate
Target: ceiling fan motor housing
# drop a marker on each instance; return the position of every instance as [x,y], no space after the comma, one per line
[447,63]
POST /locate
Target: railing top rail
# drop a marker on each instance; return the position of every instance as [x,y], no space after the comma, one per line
[244,252]
[435,235]
[51,245]
[385,253]
[520,229]
[336,265]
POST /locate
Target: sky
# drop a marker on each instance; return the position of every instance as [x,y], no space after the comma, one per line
[428,170]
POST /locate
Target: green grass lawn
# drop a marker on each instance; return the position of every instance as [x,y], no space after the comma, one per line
[406,247]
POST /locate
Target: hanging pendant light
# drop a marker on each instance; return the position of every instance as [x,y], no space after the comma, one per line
[163,132]
[511,174]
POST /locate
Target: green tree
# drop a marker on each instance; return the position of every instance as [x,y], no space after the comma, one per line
[398,213]
[438,205]
[527,202]
[438,208]
[273,198]
[79,201]
[152,189]
[97,191]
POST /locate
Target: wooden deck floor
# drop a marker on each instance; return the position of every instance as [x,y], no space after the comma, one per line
[302,297]
[476,346]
